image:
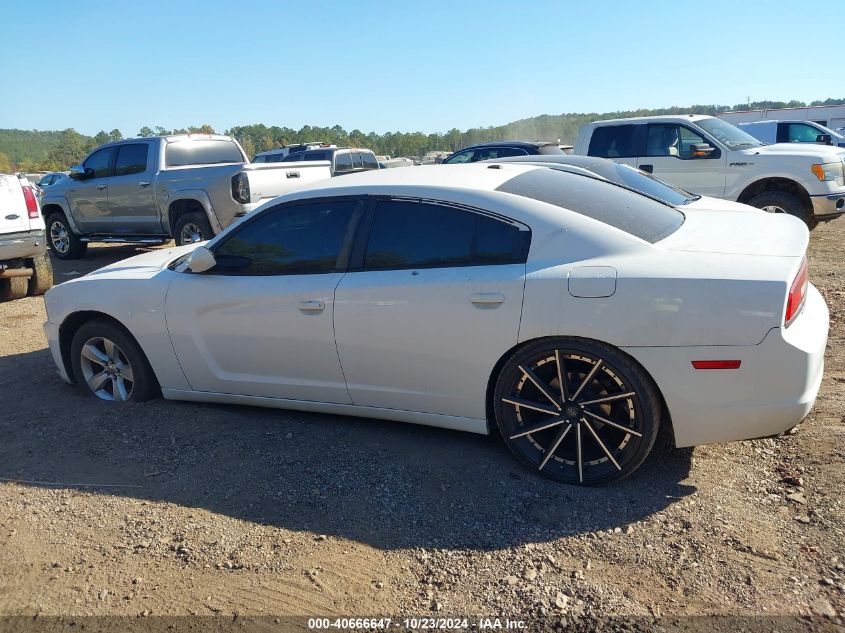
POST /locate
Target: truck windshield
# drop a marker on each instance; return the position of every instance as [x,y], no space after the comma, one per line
[202,152]
[728,134]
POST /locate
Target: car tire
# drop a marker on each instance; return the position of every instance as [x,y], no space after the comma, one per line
[61,239]
[785,202]
[109,364]
[42,275]
[12,288]
[565,433]
[192,227]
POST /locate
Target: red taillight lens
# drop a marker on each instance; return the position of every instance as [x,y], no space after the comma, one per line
[31,203]
[797,293]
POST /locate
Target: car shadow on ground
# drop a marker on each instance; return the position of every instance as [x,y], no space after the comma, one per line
[387,484]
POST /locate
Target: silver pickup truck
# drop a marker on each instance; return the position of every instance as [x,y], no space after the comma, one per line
[150,190]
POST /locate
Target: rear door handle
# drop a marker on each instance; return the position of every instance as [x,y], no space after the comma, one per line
[487,298]
[101,187]
[649,169]
[143,183]
[312,306]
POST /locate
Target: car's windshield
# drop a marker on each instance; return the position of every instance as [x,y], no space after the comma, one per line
[728,134]
[639,181]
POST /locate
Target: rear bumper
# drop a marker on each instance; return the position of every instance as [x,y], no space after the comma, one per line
[774,388]
[22,245]
[828,206]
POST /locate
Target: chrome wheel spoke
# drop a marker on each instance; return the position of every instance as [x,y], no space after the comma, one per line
[578,452]
[539,384]
[614,398]
[90,352]
[561,372]
[540,427]
[613,424]
[587,380]
[554,445]
[601,445]
[527,404]
[96,382]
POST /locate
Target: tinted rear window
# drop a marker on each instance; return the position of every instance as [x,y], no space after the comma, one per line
[613,141]
[203,152]
[642,217]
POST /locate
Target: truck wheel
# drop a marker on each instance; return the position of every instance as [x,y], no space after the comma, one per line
[42,276]
[192,227]
[784,202]
[64,243]
[12,288]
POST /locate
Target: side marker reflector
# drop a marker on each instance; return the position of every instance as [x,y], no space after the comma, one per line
[716,364]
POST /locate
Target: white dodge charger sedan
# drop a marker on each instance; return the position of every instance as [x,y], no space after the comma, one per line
[574,315]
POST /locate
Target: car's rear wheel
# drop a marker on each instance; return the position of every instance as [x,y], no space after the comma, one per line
[108,364]
[61,239]
[12,288]
[577,410]
[42,275]
[785,202]
[192,227]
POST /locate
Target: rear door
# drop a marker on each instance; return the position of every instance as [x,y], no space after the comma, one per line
[430,304]
[89,198]
[669,156]
[13,214]
[131,191]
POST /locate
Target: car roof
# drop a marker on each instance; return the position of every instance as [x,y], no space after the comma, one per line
[659,117]
[563,159]
[509,144]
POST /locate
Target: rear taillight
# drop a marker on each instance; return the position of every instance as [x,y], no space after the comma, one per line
[797,293]
[31,203]
[240,188]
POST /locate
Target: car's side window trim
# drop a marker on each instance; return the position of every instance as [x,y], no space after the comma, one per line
[359,250]
[358,215]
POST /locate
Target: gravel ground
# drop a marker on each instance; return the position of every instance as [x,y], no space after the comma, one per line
[173,508]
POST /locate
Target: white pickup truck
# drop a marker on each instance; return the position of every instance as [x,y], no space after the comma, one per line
[711,157]
[149,190]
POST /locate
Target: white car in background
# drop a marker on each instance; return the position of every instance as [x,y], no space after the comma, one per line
[562,309]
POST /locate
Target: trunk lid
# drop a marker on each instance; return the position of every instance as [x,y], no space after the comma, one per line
[13,214]
[737,233]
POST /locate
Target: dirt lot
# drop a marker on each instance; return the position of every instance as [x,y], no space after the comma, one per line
[170,509]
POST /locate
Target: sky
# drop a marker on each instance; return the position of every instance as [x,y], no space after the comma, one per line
[403,65]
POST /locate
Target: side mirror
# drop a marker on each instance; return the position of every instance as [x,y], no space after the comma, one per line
[200,260]
[77,172]
[826,139]
[701,150]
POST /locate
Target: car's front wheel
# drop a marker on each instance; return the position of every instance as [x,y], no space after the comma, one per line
[785,202]
[108,364]
[577,410]
[61,239]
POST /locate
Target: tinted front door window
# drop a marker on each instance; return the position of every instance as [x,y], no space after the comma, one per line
[801,133]
[309,238]
[100,162]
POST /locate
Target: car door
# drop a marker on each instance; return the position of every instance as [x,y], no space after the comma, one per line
[669,156]
[131,192]
[259,323]
[89,197]
[429,305]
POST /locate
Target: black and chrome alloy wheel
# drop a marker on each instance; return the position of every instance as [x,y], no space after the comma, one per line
[577,411]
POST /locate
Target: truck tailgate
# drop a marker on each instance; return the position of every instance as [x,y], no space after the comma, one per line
[13,214]
[269,180]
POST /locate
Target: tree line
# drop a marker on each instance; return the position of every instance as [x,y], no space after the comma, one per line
[23,150]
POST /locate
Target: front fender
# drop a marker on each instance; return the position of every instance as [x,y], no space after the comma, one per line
[60,201]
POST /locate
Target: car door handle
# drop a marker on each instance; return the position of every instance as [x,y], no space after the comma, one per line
[312,306]
[487,298]
[101,187]
[649,169]
[143,183]
[292,174]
